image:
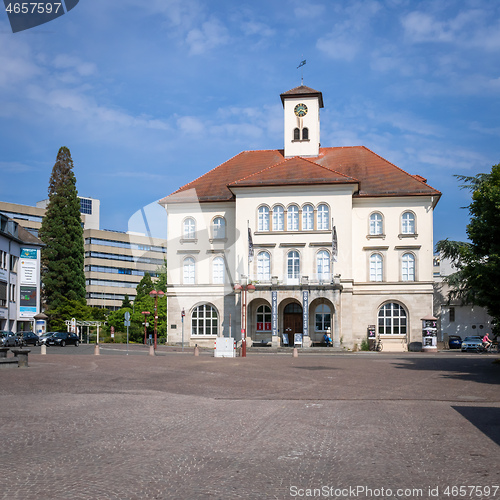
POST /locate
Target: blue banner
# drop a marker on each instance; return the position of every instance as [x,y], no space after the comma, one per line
[274,312]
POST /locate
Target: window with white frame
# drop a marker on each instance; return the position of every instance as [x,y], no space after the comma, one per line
[408,223]
[392,319]
[264,266]
[263,218]
[408,267]
[323,217]
[376,267]
[307,218]
[219,228]
[188,271]
[293,218]
[293,264]
[189,230]
[278,218]
[263,318]
[323,265]
[322,318]
[204,320]
[218,271]
[376,224]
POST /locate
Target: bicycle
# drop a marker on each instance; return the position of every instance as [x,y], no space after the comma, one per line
[491,348]
[377,345]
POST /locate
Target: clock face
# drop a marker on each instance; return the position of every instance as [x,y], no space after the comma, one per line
[300,110]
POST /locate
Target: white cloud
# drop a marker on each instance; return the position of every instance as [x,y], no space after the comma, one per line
[210,35]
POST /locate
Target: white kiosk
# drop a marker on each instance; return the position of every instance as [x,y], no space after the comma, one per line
[429,334]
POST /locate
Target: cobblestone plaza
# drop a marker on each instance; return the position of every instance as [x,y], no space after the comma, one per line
[269,426]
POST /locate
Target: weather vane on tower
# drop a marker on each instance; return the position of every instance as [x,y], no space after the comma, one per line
[302,63]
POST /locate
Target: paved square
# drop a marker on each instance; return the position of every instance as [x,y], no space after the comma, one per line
[269,426]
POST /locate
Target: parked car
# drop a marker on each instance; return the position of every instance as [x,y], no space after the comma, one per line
[43,338]
[9,339]
[63,338]
[471,343]
[454,342]
[3,337]
[28,338]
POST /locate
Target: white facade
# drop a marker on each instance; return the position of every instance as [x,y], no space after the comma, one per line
[382,276]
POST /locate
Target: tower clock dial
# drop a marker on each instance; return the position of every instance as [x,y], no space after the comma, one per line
[300,110]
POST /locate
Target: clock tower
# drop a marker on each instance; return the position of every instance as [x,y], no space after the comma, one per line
[301,107]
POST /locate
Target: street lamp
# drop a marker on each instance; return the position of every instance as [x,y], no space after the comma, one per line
[183,313]
[155,294]
[145,324]
[243,289]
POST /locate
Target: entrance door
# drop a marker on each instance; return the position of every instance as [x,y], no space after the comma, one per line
[292,321]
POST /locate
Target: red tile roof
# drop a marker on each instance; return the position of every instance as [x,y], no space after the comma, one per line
[346,165]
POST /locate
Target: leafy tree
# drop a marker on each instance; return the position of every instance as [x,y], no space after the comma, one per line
[144,287]
[126,302]
[65,310]
[477,279]
[63,254]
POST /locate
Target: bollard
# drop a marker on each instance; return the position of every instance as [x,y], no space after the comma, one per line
[96,350]
[43,350]
[295,352]
[151,350]
[196,350]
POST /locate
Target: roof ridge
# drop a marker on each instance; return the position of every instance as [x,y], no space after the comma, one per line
[289,159]
[400,169]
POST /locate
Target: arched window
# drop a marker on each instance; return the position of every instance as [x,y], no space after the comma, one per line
[296,134]
[293,264]
[189,230]
[307,218]
[218,270]
[293,218]
[408,267]
[408,223]
[263,318]
[188,271]
[219,228]
[376,224]
[204,320]
[323,265]
[376,267]
[392,320]
[263,266]
[278,218]
[323,217]
[322,318]
[263,218]
[305,134]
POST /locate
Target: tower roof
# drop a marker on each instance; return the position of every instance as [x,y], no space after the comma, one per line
[302,91]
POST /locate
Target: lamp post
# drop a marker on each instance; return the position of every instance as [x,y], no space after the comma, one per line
[183,313]
[155,294]
[145,324]
[243,289]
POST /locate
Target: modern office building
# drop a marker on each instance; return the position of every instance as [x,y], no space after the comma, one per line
[19,276]
[331,239]
[115,262]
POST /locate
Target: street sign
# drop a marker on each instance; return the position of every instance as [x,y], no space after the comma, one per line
[126,323]
[127,316]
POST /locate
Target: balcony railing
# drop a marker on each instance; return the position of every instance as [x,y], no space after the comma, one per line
[311,279]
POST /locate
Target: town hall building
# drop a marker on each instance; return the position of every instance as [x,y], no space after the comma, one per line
[315,239]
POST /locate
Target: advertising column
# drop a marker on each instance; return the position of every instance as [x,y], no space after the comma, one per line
[29,273]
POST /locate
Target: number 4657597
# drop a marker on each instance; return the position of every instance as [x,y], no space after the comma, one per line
[33,7]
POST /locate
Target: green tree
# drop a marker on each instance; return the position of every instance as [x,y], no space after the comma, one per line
[126,302]
[63,254]
[144,287]
[64,311]
[477,279]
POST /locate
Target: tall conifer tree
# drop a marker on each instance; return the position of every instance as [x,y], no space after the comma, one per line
[62,258]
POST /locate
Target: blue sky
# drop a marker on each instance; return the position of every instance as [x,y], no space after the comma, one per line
[149,95]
